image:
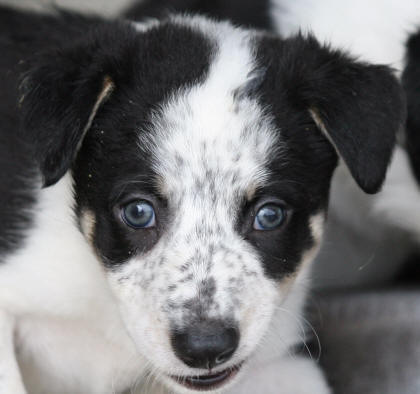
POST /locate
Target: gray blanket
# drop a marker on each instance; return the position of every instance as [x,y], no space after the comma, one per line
[370,341]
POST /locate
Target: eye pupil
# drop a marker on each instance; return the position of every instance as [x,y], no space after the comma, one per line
[139,214]
[269,217]
[137,211]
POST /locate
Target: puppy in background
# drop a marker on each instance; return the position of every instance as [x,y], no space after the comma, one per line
[164,187]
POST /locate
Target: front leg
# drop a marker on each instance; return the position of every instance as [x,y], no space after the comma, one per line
[10,377]
[288,375]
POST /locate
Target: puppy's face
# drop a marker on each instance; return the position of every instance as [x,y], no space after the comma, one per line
[202,183]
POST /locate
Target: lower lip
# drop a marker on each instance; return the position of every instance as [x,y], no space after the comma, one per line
[207,382]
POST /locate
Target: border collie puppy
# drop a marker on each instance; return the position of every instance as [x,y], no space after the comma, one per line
[163,192]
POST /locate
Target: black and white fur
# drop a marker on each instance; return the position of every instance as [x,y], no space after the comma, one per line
[206,121]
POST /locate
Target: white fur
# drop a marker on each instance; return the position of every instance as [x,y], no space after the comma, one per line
[288,375]
[57,292]
[375,30]
[399,202]
[10,377]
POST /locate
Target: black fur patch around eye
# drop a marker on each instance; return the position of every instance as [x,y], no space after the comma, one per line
[282,249]
[159,62]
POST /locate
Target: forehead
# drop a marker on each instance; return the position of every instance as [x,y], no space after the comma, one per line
[210,130]
[195,98]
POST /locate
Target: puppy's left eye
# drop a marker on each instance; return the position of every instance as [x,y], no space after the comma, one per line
[269,217]
[139,214]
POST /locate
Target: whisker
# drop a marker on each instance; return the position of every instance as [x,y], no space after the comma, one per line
[298,319]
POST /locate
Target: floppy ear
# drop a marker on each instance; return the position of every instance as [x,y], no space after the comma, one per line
[358,107]
[361,117]
[61,94]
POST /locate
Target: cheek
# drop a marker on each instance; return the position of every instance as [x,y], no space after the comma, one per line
[258,299]
[140,306]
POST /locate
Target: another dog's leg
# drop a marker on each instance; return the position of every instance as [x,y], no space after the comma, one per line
[289,375]
[10,378]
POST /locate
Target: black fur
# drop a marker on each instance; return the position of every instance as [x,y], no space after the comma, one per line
[21,35]
[411,84]
[18,179]
[248,13]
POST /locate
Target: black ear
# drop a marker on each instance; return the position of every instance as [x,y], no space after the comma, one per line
[61,93]
[359,107]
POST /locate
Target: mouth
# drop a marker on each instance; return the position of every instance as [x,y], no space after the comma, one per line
[208,382]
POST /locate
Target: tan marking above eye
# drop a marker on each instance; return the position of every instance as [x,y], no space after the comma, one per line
[87,224]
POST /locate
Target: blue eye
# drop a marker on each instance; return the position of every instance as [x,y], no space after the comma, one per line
[139,214]
[269,217]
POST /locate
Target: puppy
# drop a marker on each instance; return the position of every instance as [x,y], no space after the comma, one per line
[164,187]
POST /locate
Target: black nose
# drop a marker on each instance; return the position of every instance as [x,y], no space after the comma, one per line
[205,344]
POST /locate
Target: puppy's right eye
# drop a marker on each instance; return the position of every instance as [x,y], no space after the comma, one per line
[139,214]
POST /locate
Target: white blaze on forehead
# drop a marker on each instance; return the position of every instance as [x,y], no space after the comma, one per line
[206,128]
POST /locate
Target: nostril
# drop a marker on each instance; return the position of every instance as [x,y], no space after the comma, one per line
[225,356]
[206,344]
